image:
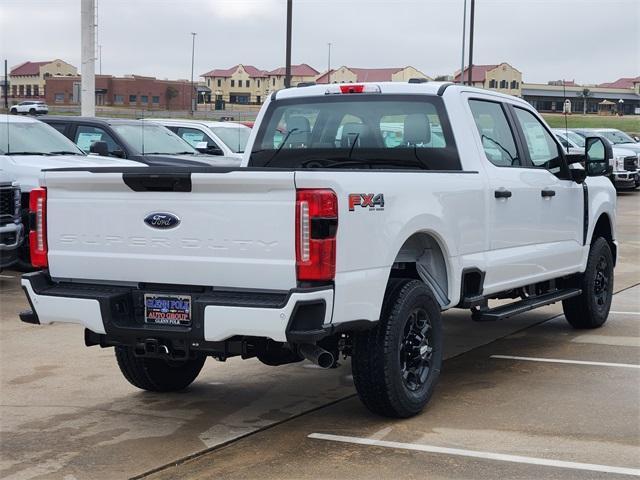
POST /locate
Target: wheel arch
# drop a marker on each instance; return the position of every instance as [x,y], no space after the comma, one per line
[423,255]
[604,228]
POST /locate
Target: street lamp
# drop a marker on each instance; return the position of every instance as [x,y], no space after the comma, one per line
[193,50]
[620,107]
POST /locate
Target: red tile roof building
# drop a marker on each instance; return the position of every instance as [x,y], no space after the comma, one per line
[28,80]
[346,74]
[501,77]
[625,82]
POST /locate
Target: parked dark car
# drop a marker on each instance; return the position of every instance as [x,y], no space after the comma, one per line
[138,140]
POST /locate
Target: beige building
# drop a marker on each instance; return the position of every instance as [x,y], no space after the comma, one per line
[346,74]
[28,80]
[299,74]
[502,78]
[248,84]
[238,84]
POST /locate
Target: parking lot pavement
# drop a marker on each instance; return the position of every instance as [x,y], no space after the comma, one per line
[66,411]
[491,417]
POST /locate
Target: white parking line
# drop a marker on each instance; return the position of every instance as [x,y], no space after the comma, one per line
[7,276]
[611,340]
[571,362]
[477,454]
[626,313]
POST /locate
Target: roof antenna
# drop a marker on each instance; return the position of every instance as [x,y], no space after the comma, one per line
[564,110]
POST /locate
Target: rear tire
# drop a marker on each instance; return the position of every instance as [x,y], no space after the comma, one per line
[591,308]
[32,111]
[156,374]
[396,365]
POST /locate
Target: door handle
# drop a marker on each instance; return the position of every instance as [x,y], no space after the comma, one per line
[502,194]
[548,193]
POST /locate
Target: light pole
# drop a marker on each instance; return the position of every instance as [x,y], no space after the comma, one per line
[471,22]
[193,51]
[100,59]
[329,64]
[287,75]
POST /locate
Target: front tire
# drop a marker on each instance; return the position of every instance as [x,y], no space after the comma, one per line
[591,308]
[396,365]
[156,374]
[14,111]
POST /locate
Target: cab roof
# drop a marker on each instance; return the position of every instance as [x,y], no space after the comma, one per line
[393,88]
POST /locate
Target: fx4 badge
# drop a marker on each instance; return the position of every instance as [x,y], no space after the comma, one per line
[372,201]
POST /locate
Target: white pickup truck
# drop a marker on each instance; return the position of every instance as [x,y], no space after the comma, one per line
[364,211]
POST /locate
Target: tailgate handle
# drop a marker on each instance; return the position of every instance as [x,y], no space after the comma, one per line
[158,182]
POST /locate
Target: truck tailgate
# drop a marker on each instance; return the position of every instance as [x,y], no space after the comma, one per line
[236,229]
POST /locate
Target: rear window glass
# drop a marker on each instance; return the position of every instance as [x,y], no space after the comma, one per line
[356,131]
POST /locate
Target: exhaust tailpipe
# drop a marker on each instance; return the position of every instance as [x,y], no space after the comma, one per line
[317,355]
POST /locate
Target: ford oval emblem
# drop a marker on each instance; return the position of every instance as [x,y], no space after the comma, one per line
[162,220]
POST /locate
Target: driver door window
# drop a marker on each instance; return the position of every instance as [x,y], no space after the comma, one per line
[194,136]
[87,136]
[543,150]
[497,138]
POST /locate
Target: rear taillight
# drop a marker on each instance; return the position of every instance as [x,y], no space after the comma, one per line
[38,233]
[316,228]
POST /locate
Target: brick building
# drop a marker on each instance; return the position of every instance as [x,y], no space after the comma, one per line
[131,91]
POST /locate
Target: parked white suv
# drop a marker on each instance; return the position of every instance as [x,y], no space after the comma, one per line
[380,206]
[213,138]
[32,107]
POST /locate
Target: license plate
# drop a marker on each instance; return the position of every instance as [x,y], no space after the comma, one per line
[167,309]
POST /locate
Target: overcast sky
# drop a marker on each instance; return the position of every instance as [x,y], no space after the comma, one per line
[591,41]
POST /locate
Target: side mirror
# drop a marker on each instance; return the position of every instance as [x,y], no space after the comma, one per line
[99,148]
[636,138]
[118,153]
[574,158]
[577,172]
[597,156]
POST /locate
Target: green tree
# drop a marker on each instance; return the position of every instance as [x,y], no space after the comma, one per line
[584,94]
[170,93]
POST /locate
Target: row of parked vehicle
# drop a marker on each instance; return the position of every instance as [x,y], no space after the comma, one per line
[29,145]
[626,152]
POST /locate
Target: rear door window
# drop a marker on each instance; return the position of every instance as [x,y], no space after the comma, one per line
[87,135]
[496,135]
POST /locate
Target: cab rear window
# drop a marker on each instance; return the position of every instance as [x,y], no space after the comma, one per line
[356,131]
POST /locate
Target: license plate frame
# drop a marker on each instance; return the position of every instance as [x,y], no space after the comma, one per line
[165,309]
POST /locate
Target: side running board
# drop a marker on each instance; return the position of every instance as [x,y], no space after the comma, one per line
[531,303]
